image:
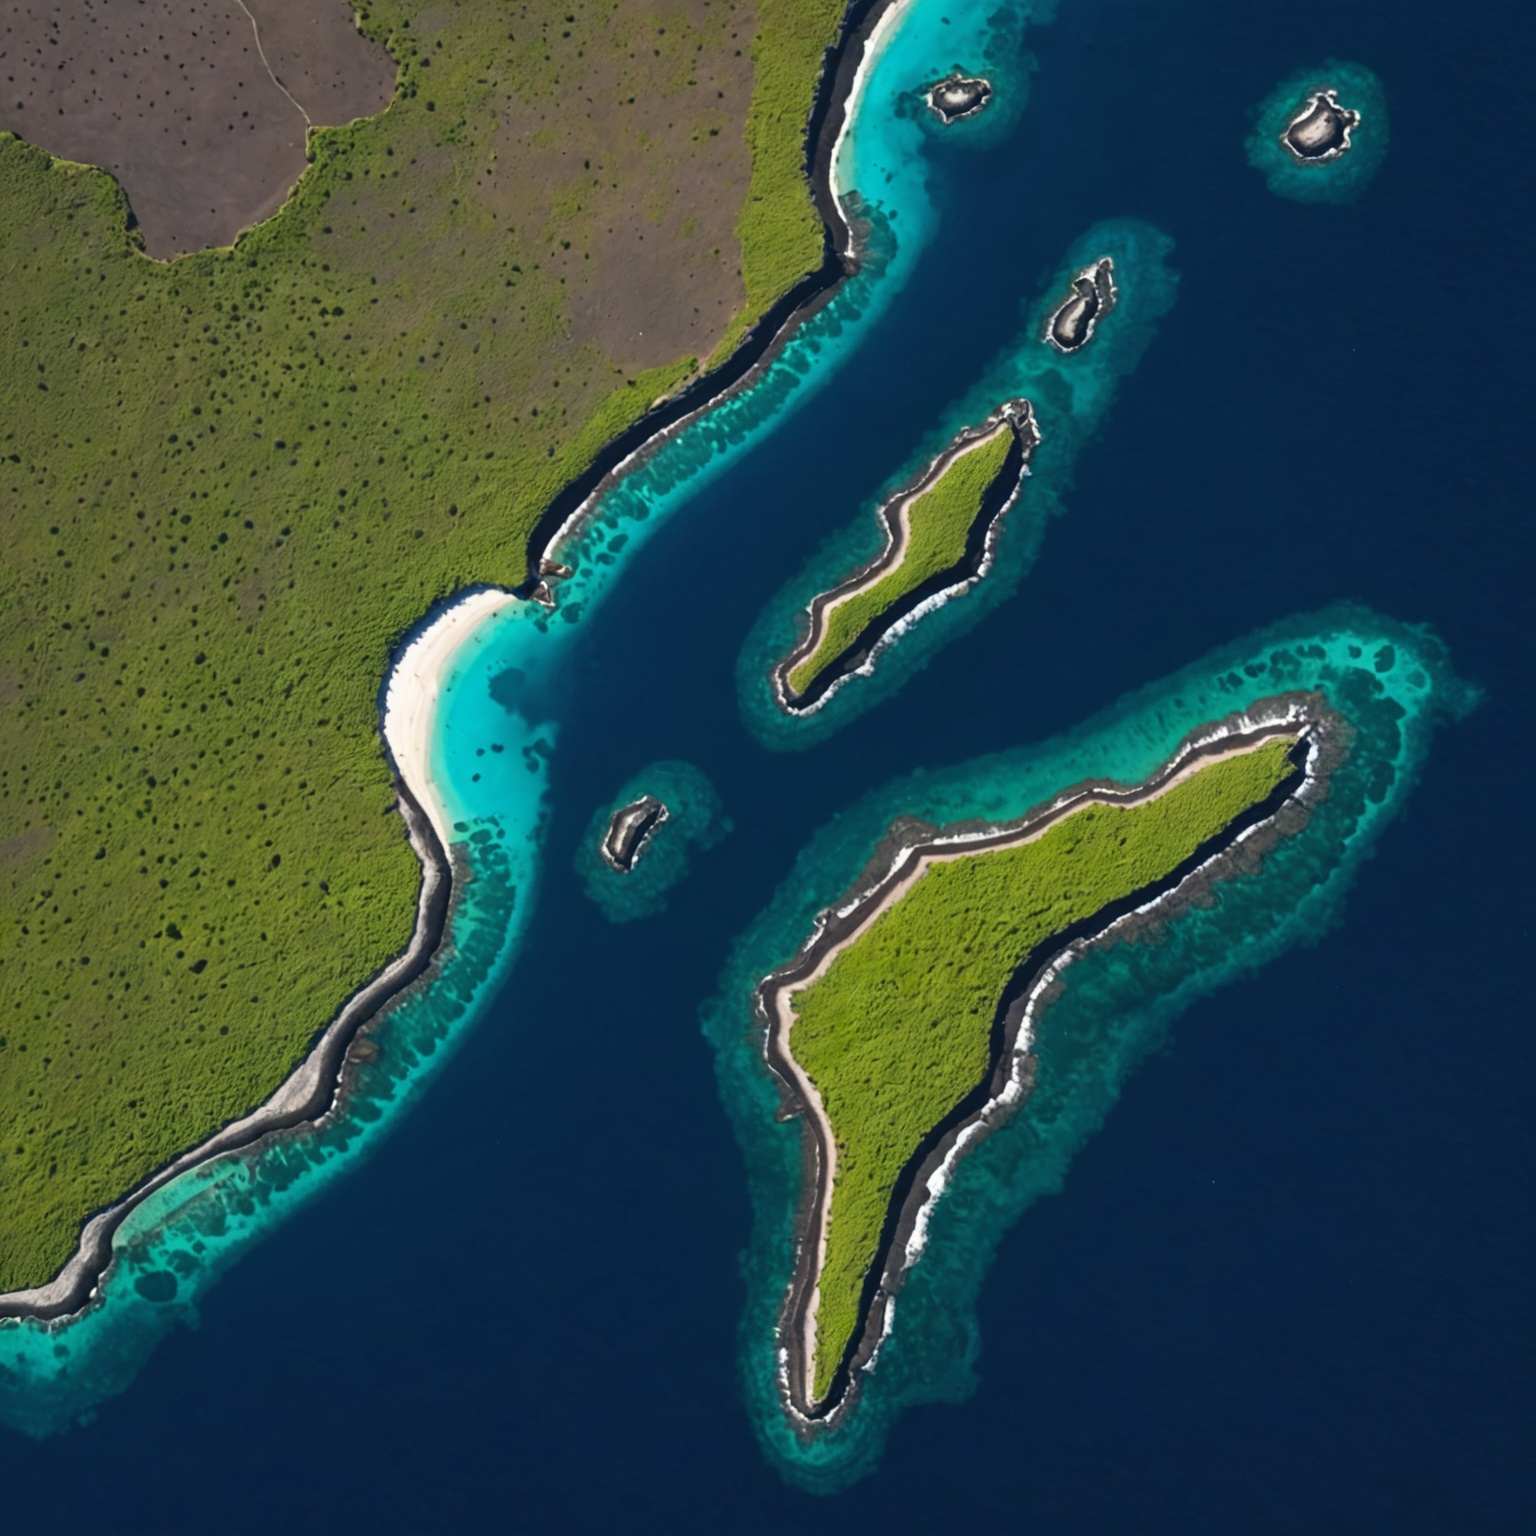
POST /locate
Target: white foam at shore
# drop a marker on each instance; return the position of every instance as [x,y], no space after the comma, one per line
[1253,719]
[416,683]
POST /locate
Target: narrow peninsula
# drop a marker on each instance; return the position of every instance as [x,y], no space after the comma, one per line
[939,535]
[902,1030]
[1091,296]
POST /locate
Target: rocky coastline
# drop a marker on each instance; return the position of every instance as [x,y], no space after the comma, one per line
[318,1083]
[629,832]
[976,562]
[1321,738]
[1090,297]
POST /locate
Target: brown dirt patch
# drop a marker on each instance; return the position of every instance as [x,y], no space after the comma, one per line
[645,282]
[173,98]
[321,59]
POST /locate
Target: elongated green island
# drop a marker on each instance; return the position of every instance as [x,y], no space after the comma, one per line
[902,1029]
[939,532]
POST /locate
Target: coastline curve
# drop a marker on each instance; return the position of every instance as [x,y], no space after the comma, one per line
[311,1092]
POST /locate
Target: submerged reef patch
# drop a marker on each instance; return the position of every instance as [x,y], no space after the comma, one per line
[1321,134]
[1383,686]
[1068,395]
[662,815]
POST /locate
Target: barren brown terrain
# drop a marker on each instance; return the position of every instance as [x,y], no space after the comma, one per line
[175,98]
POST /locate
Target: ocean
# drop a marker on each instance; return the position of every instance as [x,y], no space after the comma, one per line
[1285,1286]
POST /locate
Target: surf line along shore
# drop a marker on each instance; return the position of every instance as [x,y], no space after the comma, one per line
[1320,738]
[421,660]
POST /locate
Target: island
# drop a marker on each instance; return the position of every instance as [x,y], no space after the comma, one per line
[957,96]
[1280,758]
[629,831]
[1092,294]
[1321,134]
[939,534]
[1320,130]
[636,865]
[901,1029]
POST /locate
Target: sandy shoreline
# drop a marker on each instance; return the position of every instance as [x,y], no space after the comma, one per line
[411,695]
[310,1092]
[1006,1083]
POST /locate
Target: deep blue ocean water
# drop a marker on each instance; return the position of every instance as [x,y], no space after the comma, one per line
[1287,1287]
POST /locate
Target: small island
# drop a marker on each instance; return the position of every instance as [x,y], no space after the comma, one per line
[1321,129]
[1321,134]
[902,1031]
[957,96]
[1091,296]
[629,832]
[939,534]
[636,865]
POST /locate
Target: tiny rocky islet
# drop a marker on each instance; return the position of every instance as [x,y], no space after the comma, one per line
[957,96]
[1320,130]
[1071,325]
[630,831]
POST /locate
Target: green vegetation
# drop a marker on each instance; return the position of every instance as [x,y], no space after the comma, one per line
[780,232]
[897,1031]
[940,522]
[230,481]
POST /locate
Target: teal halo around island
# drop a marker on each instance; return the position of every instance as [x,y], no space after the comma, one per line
[1070,395]
[1331,181]
[1393,684]
[695,822]
[999,55]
